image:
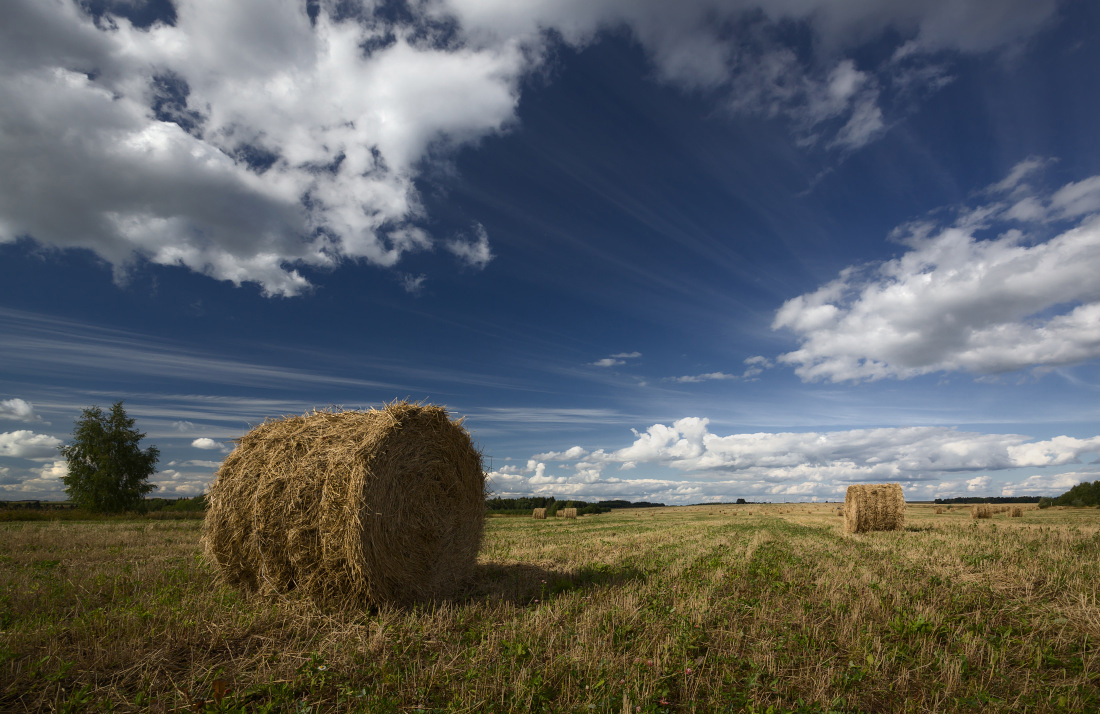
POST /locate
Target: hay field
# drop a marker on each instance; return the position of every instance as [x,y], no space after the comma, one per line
[732,608]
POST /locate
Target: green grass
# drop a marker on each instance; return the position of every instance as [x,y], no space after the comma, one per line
[655,610]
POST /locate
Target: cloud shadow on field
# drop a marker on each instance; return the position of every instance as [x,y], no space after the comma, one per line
[524,583]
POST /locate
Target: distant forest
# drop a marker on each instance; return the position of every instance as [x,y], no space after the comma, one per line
[524,506]
[990,499]
[1082,495]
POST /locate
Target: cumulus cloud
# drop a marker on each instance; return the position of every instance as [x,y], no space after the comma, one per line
[698,463]
[245,141]
[474,253]
[573,453]
[958,301]
[1048,484]
[42,482]
[258,140]
[207,444]
[171,483]
[18,409]
[26,444]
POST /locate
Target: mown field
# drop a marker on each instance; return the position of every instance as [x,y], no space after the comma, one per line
[733,608]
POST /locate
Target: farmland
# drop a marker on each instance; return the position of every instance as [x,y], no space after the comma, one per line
[732,608]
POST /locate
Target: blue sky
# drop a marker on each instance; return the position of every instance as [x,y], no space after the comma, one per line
[680,252]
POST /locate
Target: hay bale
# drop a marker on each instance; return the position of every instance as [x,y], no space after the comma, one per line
[353,507]
[938,510]
[569,512]
[539,514]
[981,510]
[874,507]
[1016,512]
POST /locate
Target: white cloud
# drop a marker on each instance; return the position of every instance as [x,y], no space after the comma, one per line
[1077,199]
[43,482]
[243,142]
[736,49]
[171,483]
[616,359]
[18,409]
[573,453]
[208,444]
[958,302]
[475,253]
[183,426]
[709,376]
[1048,484]
[26,444]
[979,484]
[413,284]
[699,463]
[250,144]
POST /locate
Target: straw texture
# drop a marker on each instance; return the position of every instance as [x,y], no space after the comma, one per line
[569,512]
[353,507]
[981,510]
[539,514]
[874,507]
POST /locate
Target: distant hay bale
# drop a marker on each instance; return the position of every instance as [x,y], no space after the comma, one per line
[874,507]
[981,510]
[569,512]
[938,510]
[539,514]
[1016,512]
[352,508]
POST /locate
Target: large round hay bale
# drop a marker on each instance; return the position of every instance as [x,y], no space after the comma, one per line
[539,514]
[353,507]
[874,507]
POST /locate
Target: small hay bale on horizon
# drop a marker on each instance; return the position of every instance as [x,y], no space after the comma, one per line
[539,514]
[874,507]
[938,510]
[350,508]
[569,512]
[1016,512]
[981,510]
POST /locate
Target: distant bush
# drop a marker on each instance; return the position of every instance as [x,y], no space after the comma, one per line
[1082,495]
[1046,502]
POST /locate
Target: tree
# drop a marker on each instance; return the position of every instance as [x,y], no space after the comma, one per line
[108,471]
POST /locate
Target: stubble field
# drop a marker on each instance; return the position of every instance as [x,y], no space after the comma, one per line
[732,608]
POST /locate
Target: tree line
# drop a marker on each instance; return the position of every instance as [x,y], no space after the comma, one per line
[524,505]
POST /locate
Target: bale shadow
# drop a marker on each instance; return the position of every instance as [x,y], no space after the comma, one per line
[523,583]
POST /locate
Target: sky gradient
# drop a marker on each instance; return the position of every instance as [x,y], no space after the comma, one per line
[676,252]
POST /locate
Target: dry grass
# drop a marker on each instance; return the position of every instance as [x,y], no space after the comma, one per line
[674,610]
[939,510]
[874,507]
[1016,512]
[354,507]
